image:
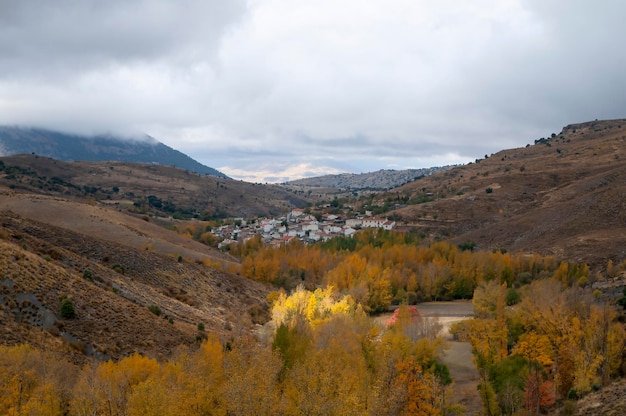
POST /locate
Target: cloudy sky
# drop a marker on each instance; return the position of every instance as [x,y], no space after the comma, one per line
[269,90]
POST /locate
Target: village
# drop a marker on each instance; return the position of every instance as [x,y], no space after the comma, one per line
[298,224]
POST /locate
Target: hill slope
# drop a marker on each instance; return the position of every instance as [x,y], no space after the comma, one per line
[113,268]
[144,188]
[382,179]
[563,195]
[68,147]
[81,230]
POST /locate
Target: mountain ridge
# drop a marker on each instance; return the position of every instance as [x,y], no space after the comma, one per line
[146,188]
[105,147]
[378,180]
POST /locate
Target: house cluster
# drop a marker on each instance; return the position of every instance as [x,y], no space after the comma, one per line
[298,224]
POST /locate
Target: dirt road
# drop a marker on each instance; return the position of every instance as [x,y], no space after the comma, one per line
[458,355]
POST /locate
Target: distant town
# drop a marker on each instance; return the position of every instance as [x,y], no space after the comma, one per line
[300,225]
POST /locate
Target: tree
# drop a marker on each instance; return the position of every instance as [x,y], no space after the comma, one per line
[106,387]
[32,382]
[67,308]
[251,386]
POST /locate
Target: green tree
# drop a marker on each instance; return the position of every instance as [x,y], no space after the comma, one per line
[67,308]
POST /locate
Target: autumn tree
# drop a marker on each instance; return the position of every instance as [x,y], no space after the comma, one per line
[33,382]
[104,388]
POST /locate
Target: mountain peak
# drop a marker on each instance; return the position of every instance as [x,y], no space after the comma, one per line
[104,147]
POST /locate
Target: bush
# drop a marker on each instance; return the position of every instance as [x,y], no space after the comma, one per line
[87,274]
[200,326]
[489,190]
[512,297]
[67,308]
[523,278]
[155,310]
[467,246]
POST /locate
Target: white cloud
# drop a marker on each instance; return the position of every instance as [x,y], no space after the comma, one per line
[277,174]
[341,84]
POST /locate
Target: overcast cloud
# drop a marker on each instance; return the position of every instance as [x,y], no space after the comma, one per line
[270,90]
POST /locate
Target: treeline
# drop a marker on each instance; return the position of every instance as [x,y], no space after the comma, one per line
[324,357]
[379,268]
[557,344]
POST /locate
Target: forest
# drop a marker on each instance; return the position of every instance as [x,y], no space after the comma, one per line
[540,337]
[379,268]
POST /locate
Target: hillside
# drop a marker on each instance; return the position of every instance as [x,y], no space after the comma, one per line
[94,232]
[562,195]
[145,188]
[69,147]
[382,179]
[113,267]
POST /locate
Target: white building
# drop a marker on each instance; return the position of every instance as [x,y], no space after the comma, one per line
[354,222]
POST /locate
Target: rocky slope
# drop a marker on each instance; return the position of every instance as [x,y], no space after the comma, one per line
[382,179]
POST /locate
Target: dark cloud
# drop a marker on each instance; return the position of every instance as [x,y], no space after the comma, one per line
[65,38]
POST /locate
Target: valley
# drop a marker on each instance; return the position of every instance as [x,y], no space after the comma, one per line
[110,264]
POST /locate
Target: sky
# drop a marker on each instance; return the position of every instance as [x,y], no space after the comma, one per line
[273,90]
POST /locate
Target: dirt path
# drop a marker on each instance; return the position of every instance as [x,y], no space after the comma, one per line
[458,355]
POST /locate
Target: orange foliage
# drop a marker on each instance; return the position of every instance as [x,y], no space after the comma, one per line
[385,268]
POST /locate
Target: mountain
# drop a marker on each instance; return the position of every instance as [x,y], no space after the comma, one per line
[562,195]
[146,188]
[68,147]
[382,179]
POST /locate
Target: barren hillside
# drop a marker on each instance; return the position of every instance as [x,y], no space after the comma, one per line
[112,284]
[153,188]
[563,195]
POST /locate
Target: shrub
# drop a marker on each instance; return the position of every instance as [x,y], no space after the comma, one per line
[512,297]
[523,278]
[200,326]
[489,190]
[118,268]
[155,310]
[87,274]
[67,308]
[467,246]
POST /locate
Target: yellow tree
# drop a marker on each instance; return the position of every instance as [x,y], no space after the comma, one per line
[32,382]
[333,378]
[251,386]
[104,389]
[538,351]
[191,383]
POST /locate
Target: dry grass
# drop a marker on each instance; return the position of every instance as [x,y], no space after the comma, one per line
[564,199]
[121,184]
[42,263]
